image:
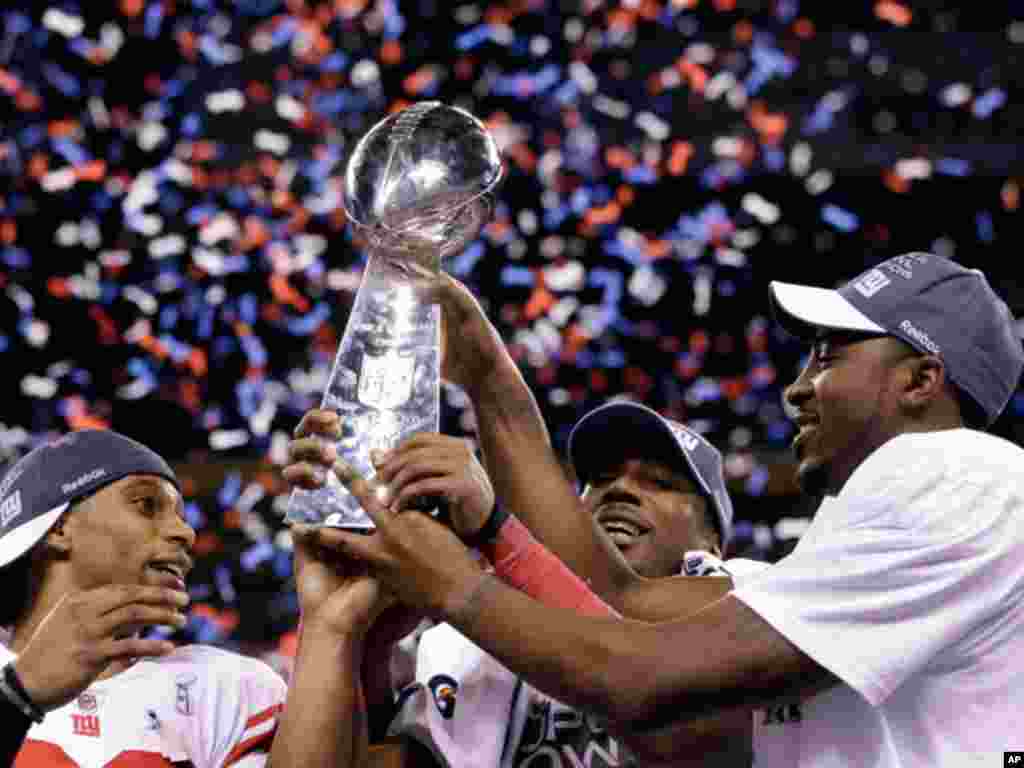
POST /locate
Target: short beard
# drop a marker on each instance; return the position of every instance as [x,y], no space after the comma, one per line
[813,478]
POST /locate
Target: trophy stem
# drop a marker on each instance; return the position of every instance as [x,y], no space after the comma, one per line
[385,380]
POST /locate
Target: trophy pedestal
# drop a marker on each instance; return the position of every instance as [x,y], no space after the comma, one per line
[385,382]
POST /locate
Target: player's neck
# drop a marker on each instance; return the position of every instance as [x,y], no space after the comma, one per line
[25,627]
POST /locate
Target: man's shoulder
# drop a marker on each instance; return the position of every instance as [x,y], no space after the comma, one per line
[924,458]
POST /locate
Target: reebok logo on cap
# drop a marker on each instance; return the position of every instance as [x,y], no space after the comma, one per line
[78,482]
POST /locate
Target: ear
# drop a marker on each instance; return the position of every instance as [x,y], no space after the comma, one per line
[58,540]
[926,383]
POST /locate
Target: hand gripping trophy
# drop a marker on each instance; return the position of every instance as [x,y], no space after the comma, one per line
[418,187]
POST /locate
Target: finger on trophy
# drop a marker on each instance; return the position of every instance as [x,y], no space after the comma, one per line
[374,497]
[304,475]
[319,421]
[434,505]
[312,449]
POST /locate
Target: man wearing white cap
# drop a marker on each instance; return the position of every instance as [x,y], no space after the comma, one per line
[898,620]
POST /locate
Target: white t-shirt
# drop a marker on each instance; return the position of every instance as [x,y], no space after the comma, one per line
[909,587]
[199,706]
[472,712]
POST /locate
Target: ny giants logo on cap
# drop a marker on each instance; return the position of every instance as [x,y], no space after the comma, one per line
[871,282]
[874,280]
[10,479]
[904,265]
[689,441]
[10,508]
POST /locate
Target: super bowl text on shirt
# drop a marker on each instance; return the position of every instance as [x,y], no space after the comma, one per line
[555,735]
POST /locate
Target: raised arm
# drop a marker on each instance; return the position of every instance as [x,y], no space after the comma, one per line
[324,718]
[528,478]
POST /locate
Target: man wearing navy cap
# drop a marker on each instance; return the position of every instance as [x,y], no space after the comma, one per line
[654,493]
[94,548]
[898,620]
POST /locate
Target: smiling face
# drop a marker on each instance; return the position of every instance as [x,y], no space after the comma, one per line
[133,531]
[651,510]
[847,400]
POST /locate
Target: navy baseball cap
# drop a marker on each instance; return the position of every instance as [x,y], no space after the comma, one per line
[623,422]
[933,304]
[41,485]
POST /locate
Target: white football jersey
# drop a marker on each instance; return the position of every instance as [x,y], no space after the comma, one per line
[198,707]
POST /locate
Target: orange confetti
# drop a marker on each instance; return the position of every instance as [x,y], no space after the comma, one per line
[190,395]
[9,82]
[658,248]
[91,171]
[419,80]
[206,542]
[893,12]
[895,182]
[743,32]
[257,92]
[696,76]
[87,421]
[58,286]
[285,293]
[197,362]
[1010,195]
[391,52]
[154,346]
[28,101]
[606,214]
[803,28]
[574,340]
[679,157]
[619,157]
[61,128]
[541,300]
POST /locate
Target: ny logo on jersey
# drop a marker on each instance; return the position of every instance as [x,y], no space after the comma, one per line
[86,725]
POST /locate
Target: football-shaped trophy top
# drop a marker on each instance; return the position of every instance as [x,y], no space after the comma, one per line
[422,178]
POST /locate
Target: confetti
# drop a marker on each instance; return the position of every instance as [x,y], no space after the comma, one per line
[175,263]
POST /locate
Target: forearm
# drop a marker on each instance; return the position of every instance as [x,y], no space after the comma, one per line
[636,674]
[524,563]
[324,722]
[579,660]
[531,483]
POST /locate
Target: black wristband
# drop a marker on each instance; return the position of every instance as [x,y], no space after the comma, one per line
[13,690]
[489,530]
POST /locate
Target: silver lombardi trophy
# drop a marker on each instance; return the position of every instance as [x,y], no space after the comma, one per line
[418,187]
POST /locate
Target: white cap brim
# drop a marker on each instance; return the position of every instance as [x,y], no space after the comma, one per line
[17,542]
[803,309]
